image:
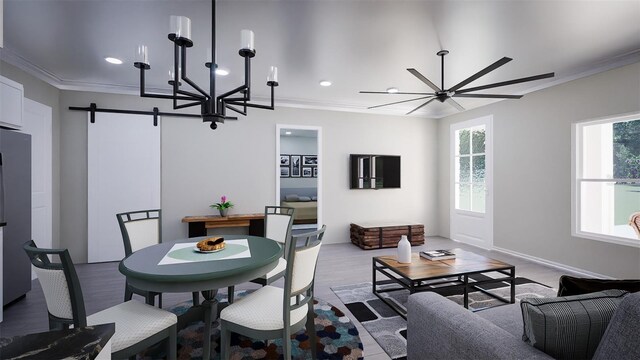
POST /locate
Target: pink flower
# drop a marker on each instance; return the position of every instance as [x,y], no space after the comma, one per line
[223,199]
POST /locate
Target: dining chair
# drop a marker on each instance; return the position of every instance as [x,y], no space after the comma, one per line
[140,229]
[138,325]
[278,221]
[272,312]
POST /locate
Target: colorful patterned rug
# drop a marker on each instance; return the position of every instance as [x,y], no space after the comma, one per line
[390,330]
[337,338]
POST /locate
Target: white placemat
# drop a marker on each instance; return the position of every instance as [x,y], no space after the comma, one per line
[186,253]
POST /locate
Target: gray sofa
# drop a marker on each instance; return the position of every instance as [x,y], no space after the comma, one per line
[438,328]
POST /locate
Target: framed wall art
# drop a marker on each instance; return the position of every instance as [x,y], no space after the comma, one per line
[296,165]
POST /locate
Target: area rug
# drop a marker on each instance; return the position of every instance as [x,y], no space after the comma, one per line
[337,338]
[390,330]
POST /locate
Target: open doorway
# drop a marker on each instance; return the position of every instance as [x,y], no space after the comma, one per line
[299,173]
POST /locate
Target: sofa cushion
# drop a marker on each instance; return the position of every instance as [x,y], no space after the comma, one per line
[569,327]
[508,317]
[620,341]
[570,285]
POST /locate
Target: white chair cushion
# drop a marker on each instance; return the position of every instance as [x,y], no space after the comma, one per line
[261,310]
[142,233]
[304,266]
[277,226]
[135,322]
[282,266]
[56,292]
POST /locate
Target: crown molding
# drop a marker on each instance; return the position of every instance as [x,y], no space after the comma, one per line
[69,85]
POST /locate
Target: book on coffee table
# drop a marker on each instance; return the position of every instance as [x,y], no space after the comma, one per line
[437,255]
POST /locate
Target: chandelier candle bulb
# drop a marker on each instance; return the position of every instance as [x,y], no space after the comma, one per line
[273,74]
[246,40]
[181,26]
[142,54]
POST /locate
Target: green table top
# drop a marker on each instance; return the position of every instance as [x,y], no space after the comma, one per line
[143,264]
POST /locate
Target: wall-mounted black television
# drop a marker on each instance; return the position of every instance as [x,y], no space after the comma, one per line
[374,171]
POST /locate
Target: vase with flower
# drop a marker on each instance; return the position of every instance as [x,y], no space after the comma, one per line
[223,206]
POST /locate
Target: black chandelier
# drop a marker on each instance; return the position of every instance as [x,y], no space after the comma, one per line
[212,108]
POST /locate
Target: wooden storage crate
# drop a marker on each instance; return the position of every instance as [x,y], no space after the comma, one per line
[376,236]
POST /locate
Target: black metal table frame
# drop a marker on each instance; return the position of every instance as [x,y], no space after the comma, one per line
[420,285]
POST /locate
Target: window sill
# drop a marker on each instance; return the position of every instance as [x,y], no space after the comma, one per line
[607,238]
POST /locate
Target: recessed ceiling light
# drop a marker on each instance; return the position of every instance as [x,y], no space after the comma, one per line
[112,60]
[222,72]
[287,132]
[325,83]
[392,90]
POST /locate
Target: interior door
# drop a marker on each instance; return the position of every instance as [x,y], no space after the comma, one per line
[299,173]
[471,182]
[38,123]
[123,175]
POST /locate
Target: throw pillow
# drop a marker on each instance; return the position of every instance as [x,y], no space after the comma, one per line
[570,285]
[569,327]
[304,198]
[292,197]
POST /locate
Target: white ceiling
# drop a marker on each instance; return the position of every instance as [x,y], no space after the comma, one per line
[358,45]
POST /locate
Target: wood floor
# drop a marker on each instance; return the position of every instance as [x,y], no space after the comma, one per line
[339,264]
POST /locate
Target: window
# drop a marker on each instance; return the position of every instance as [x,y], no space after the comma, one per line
[470,169]
[607,178]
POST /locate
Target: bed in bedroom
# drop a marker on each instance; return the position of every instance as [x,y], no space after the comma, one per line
[305,202]
[306,211]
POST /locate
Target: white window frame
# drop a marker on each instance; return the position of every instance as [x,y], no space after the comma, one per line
[576,168]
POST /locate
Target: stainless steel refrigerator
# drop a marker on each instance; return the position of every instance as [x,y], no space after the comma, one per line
[15,212]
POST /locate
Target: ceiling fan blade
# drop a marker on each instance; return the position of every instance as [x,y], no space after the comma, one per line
[424,104]
[488,96]
[399,102]
[510,82]
[396,93]
[417,74]
[455,104]
[482,72]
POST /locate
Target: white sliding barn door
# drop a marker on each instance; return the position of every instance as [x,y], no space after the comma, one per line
[123,175]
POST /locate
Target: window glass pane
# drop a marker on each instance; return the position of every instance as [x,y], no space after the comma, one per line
[463,166]
[626,150]
[611,150]
[478,140]
[478,198]
[464,139]
[478,169]
[597,151]
[463,196]
[606,207]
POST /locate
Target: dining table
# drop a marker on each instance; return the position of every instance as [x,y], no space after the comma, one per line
[180,267]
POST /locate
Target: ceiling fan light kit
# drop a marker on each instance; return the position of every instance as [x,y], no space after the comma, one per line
[443,94]
[212,109]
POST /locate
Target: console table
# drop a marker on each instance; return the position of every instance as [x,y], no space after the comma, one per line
[198,225]
[383,235]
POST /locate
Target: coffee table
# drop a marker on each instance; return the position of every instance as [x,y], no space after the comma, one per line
[422,275]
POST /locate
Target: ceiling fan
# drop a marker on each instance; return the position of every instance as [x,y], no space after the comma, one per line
[447,95]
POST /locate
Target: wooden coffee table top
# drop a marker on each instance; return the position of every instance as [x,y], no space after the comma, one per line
[421,269]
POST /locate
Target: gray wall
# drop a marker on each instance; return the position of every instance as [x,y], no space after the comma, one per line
[46,94]
[239,160]
[532,172]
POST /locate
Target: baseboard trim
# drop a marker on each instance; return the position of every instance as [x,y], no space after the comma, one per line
[551,263]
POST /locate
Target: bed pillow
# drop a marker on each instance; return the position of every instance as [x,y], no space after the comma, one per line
[304,198]
[292,197]
[314,198]
[569,327]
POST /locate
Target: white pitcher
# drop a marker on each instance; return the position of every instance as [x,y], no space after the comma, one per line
[404,250]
